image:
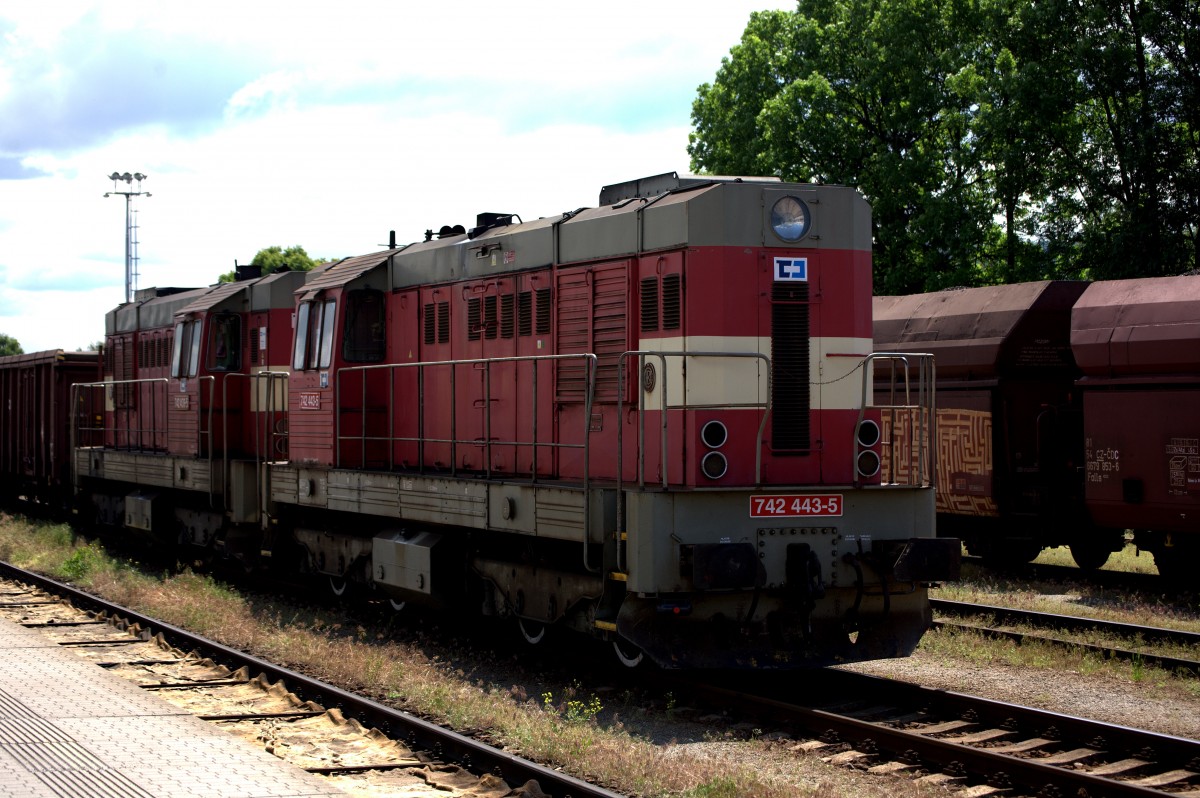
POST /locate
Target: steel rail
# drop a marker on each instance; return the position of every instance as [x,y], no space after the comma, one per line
[1070,623]
[415,732]
[1173,664]
[980,764]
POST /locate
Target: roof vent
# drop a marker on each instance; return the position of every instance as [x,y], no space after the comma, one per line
[246,271]
[668,181]
[487,221]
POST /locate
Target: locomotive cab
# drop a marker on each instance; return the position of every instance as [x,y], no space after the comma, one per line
[194,416]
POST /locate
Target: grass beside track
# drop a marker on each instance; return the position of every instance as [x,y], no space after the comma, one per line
[561,725]
[983,585]
[608,737]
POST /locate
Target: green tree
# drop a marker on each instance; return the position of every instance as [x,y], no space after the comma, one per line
[859,93]
[273,259]
[9,346]
[997,140]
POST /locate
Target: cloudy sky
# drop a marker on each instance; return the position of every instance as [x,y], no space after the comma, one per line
[319,124]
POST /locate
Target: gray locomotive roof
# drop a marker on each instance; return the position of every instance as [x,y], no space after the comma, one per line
[669,181]
[704,214]
[276,290]
[222,294]
[153,308]
[671,212]
[342,273]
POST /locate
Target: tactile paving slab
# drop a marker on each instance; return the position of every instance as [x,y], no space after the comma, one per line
[69,729]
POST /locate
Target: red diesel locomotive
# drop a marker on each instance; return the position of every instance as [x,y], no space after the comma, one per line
[650,421]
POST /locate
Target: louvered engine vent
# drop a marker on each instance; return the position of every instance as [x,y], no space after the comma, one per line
[790,397]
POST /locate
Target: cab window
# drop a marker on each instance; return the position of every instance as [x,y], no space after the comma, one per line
[314,335]
[185,354]
[225,343]
[364,340]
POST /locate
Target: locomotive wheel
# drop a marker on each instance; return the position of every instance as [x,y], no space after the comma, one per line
[338,585]
[1089,556]
[532,631]
[397,606]
[627,654]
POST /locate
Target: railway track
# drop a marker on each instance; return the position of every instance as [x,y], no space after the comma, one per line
[320,727]
[981,745]
[1138,636]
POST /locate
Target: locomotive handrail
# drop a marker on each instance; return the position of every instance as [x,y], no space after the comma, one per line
[901,367]
[662,356]
[154,429]
[212,385]
[265,444]
[421,440]
[665,405]
[129,431]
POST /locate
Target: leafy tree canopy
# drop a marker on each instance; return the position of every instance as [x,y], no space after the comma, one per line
[997,140]
[9,346]
[273,259]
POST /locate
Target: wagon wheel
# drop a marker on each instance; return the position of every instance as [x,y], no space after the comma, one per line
[1011,553]
[1089,555]
[628,654]
[533,631]
[397,606]
[338,585]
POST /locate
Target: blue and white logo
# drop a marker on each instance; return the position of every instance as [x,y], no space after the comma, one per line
[791,270]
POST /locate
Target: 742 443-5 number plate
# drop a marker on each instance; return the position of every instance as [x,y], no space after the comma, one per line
[796,506]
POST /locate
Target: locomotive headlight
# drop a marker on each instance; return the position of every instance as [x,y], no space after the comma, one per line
[868,463]
[714,465]
[714,434]
[790,219]
[868,433]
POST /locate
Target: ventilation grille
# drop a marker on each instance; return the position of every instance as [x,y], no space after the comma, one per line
[430,323]
[506,316]
[592,318]
[790,389]
[672,301]
[525,313]
[543,311]
[474,317]
[650,304]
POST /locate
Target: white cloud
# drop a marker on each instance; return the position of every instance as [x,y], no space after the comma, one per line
[269,123]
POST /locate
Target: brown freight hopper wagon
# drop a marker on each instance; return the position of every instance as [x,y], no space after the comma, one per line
[1137,343]
[1010,447]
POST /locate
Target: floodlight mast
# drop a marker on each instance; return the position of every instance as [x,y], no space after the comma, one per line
[130,228]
